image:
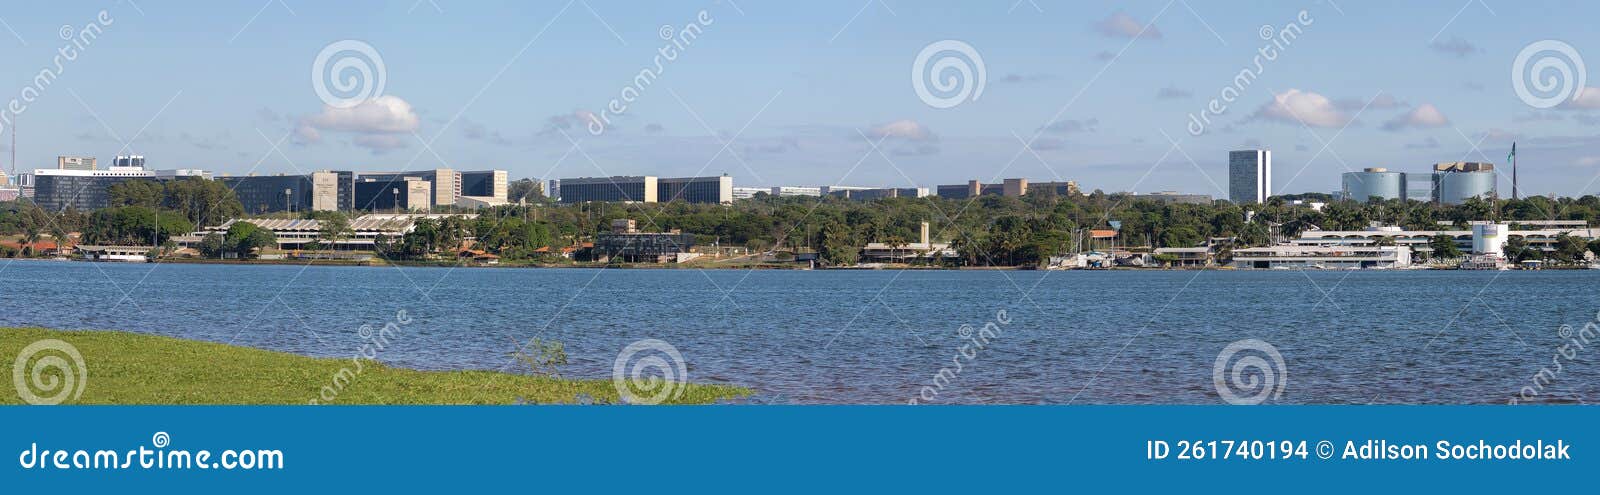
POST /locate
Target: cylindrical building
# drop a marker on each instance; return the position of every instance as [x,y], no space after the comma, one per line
[1453,183]
[1374,183]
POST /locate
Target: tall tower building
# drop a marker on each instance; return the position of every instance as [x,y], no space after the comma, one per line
[1249,176]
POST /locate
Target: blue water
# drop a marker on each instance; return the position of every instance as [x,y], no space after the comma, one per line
[882,336]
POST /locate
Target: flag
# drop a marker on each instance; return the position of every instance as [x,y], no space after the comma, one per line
[1513,156]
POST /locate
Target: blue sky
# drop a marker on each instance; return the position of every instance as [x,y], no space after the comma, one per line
[810,93]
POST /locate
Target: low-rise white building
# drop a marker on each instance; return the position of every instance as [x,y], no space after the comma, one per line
[1322,257]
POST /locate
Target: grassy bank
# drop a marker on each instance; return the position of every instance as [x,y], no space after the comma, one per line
[128,368]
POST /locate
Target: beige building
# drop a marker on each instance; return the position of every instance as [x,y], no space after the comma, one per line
[75,163]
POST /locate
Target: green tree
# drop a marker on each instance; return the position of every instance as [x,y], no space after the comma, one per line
[1444,247]
[333,228]
[213,245]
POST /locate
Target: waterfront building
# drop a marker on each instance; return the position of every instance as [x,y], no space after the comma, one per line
[1374,183]
[1249,176]
[626,243]
[1329,257]
[1480,238]
[65,162]
[295,233]
[57,190]
[1189,256]
[922,250]
[393,194]
[1174,197]
[1455,182]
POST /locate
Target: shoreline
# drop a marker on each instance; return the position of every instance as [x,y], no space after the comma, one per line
[380,263]
[130,368]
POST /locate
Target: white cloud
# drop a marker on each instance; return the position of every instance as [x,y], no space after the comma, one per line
[1457,47]
[1073,126]
[1305,107]
[1588,98]
[1425,115]
[902,129]
[1383,101]
[384,114]
[376,121]
[1122,25]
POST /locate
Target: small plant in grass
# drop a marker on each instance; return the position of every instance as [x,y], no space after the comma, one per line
[542,357]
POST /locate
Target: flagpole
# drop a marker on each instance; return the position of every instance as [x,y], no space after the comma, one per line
[1514,191]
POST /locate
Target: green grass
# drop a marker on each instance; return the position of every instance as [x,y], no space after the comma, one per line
[129,368]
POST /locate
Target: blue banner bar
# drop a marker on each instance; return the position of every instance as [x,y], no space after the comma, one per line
[754,449]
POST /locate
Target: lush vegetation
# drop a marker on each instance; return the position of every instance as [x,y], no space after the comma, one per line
[985,231]
[128,368]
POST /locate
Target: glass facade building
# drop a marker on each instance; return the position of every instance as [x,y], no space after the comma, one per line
[1249,176]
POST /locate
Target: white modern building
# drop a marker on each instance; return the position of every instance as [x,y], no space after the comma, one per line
[748,192]
[796,191]
[1249,176]
[1323,257]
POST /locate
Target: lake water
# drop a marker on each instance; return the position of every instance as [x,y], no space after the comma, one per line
[882,336]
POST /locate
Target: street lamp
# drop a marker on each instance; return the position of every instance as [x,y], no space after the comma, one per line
[396,200]
[287,205]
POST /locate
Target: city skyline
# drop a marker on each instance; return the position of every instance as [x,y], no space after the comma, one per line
[787,95]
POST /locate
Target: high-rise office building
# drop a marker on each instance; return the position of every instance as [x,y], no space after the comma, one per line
[495,184]
[444,183]
[57,190]
[695,189]
[333,190]
[402,194]
[1249,176]
[646,189]
[630,189]
[271,193]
